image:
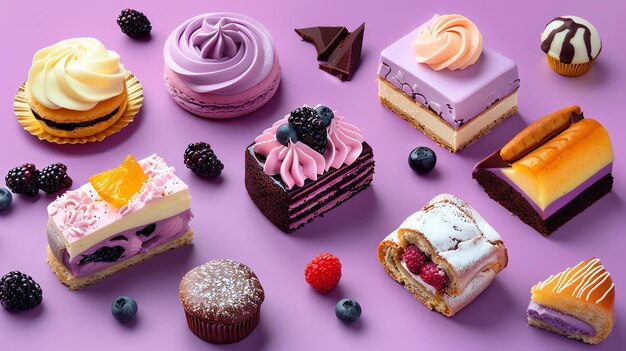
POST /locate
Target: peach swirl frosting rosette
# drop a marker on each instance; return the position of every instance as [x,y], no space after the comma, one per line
[296,162]
[220,53]
[448,41]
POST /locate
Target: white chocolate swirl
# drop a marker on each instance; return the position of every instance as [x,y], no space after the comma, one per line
[75,74]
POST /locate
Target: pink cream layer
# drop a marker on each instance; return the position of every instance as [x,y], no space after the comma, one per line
[223,105]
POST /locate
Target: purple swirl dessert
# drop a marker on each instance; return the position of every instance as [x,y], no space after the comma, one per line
[221,65]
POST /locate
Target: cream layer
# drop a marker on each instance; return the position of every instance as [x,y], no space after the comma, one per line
[436,125]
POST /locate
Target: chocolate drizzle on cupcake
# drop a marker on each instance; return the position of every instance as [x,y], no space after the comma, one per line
[567,50]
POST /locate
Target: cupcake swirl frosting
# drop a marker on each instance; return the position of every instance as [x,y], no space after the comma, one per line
[448,41]
[220,53]
[75,74]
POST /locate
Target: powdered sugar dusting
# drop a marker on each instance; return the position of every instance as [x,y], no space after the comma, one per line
[459,235]
[221,291]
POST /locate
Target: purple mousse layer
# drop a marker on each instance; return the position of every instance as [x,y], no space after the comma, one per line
[134,241]
[558,320]
[563,200]
[457,96]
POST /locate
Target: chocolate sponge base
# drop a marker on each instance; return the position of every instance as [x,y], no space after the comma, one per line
[504,194]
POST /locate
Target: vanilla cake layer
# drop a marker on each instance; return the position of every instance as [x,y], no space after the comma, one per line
[435,127]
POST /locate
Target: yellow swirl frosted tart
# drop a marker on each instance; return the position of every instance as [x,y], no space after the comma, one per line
[121,217]
[445,254]
[76,88]
[551,171]
[577,303]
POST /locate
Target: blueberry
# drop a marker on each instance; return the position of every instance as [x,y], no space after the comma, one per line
[286,132]
[124,309]
[325,113]
[5,199]
[348,310]
[422,160]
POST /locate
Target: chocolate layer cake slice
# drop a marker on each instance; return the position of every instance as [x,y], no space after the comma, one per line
[305,165]
[551,171]
[121,217]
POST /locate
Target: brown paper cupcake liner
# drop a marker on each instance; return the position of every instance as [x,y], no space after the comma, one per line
[571,69]
[219,333]
[28,121]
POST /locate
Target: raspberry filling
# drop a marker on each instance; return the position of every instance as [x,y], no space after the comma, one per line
[417,262]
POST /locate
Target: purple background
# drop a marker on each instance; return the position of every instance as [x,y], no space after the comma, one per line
[228,225]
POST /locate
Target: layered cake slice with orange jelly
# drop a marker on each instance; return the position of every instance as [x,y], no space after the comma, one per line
[577,303]
[551,171]
[121,217]
[445,254]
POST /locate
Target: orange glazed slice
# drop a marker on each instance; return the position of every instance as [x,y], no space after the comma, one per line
[118,185]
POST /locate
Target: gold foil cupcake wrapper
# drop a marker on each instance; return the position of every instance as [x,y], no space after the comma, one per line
[28,121]
[571,69]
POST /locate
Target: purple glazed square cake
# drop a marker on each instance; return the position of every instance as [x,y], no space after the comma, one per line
[305,165]
[454,101]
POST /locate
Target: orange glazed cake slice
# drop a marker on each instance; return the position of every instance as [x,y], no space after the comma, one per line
[577,303]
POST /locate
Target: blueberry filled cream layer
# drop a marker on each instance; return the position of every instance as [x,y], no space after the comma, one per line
[128,211]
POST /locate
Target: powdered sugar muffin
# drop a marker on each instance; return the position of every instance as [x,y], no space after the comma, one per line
[222,301]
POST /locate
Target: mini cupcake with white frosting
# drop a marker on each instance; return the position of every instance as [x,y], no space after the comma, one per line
[571,44]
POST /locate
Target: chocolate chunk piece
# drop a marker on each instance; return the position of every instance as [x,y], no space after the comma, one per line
[346,57]
[325,39]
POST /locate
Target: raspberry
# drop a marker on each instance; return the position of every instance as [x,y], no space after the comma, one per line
[414,258]
[433,275]
[200,158]
[323,272]
[134,23]
[23,179]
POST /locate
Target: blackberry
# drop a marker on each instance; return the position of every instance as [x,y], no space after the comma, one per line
[134,23]
[19,291]
[311,128]
[201,160]
[23,179]
[147,230]
[54,178]
[104,254]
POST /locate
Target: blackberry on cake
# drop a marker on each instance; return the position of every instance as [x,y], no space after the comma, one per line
[23,179]
[310,127]
[134,23]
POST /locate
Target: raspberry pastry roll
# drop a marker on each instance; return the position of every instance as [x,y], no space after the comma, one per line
[445,254]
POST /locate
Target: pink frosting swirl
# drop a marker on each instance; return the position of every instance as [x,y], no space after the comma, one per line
[297,161]
[220,53]
[448,41]
[345,143]
[78,211]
